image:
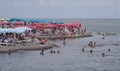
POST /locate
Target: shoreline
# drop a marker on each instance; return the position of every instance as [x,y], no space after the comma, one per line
[26,46]
[37,46]
[60,37]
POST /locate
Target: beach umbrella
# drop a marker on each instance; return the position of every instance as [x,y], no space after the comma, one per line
[60,25]
[6,30]
[73,25]
[9,30]
[7,19]
[32,20]
[1,30]
[39,23]
[2,19]
[76,24]
[21,29]
[14,30]
[17,19]
[50,26]
[47,21]
[33,26]
[4,23]
[57,22]
[15,26]
[39,26]
[18,23]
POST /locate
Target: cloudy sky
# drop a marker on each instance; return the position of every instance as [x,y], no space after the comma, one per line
[60,8]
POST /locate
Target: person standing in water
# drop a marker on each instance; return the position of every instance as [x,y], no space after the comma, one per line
[64,40]
[58,51]
[9,52]
[42,52]
[83,49]
[103,54]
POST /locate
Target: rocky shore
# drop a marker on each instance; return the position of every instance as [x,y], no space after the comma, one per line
[37,46]
[52,37]
[26,46]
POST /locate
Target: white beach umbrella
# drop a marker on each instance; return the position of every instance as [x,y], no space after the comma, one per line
[6,30]
[21,29]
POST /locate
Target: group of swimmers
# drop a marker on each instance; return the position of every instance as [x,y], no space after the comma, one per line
[41,52]
[92,45]
[51,51]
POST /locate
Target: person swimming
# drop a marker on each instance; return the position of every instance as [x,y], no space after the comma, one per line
[51,51]
[58,51]
[64,41]
[103,37]
[91,51]
[109,49]
[42,52]
[116,44]
[103,54]
[9,52]
[83,49]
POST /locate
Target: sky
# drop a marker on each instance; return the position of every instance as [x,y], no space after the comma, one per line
[60,8]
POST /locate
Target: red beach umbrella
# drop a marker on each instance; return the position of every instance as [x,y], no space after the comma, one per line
[18,23]
[60,25]
[50,26]
[39,26]
[33,27]
[3,23]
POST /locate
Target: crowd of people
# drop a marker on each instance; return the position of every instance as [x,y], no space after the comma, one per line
[92,45]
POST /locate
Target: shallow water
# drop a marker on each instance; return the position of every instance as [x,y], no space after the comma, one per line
[71,57]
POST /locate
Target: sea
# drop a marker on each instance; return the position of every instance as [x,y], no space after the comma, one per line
[71,57]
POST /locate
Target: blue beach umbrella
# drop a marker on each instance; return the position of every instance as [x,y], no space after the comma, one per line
[47,21]
[32,20]
[58,22]
[17,19]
